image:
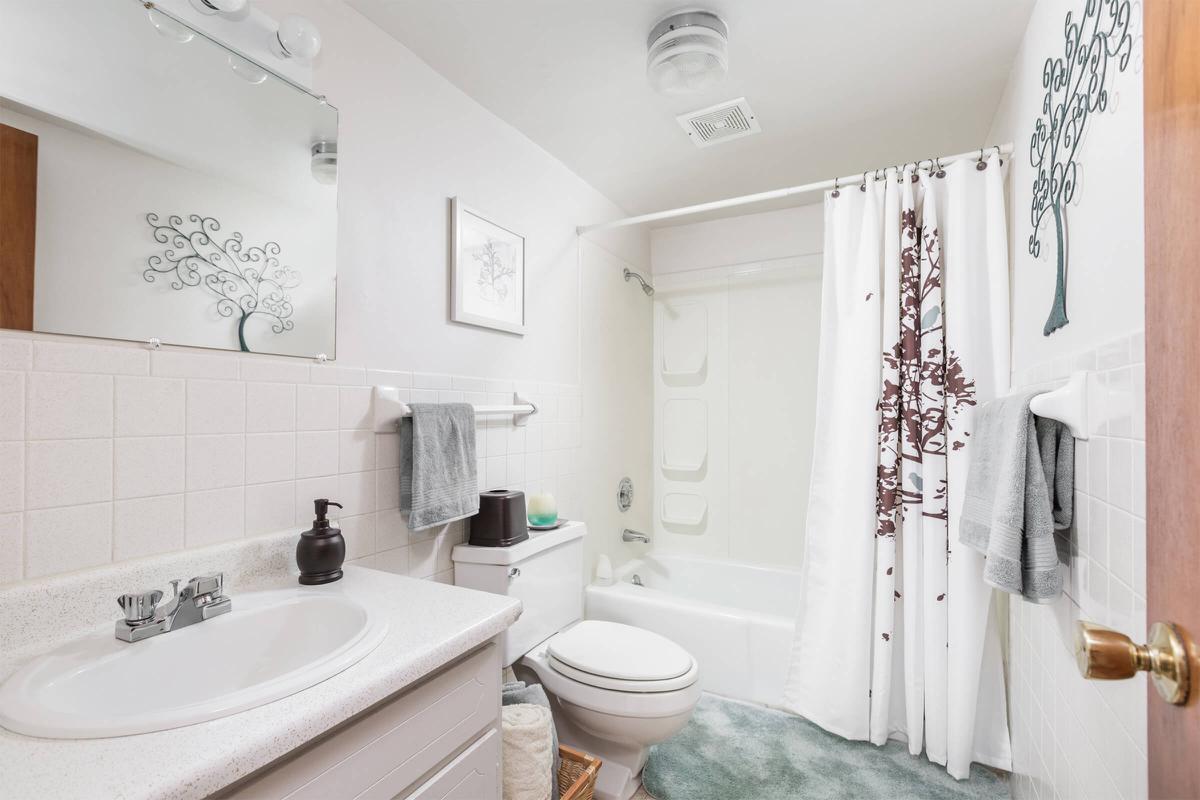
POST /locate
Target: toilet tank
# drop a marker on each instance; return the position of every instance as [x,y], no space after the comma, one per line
[545,572]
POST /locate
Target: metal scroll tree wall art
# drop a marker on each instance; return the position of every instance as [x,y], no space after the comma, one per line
[1076,84]
[247,281]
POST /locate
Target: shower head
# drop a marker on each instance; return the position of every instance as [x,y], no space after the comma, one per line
[647,288]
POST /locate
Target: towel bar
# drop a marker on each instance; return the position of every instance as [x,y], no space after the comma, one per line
[1068,404]
[388,408]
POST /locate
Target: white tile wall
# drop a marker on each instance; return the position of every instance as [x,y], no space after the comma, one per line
[109,451]
[1075,739]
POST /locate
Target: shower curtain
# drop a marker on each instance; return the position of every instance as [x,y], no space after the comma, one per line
[896,636]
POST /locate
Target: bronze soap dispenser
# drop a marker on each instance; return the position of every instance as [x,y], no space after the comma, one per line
[321,550]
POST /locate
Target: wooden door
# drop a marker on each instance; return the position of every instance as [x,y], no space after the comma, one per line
[18,224]
[1172,84]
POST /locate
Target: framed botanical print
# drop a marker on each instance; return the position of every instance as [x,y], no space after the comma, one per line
[487,272]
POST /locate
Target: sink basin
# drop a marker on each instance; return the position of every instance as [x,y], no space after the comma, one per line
[272,644]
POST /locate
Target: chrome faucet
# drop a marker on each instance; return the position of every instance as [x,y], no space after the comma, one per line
[201,598]
[628,535]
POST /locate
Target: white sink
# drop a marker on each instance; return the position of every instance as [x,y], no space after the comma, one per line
[272,644]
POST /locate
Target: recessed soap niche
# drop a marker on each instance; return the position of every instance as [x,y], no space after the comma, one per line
[684,512]
[685,438]
[684,343]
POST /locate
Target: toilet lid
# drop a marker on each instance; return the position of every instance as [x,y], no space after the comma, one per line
[622,652]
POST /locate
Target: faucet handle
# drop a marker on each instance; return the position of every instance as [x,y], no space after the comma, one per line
[207,585]
[139,607]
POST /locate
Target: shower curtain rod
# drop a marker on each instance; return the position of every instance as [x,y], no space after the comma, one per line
[775,194]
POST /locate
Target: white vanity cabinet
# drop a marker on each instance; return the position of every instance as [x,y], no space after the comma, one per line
[437,740]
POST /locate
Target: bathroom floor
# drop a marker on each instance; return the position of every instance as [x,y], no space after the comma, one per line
[736,751]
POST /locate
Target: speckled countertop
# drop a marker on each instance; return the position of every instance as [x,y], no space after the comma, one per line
[429,624]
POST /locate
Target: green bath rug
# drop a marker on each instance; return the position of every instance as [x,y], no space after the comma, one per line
[736,751]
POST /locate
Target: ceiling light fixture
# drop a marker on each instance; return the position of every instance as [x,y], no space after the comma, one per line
[324,163]
[225,7]
[687,52]
[297,38]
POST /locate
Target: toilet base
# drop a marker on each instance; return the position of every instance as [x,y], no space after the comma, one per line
[621,772]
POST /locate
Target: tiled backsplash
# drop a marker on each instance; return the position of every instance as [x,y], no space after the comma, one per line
[1072,738]
[111,451]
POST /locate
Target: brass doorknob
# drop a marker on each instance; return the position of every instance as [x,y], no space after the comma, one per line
[1104,654]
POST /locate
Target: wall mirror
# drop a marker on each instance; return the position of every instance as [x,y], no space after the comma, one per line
[156,185]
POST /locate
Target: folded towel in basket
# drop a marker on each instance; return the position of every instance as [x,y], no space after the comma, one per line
[517,692]
[437,464]
[1020,484]
[528,757]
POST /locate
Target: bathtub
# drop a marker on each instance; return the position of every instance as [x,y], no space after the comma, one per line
[735,619]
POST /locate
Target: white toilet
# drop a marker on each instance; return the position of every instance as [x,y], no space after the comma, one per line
[615,689]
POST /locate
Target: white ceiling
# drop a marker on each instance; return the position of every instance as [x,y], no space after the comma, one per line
[838,85]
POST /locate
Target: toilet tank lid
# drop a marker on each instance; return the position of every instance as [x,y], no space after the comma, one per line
[472,554]
[614,650]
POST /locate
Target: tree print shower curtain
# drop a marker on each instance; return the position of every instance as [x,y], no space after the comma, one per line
[896,635]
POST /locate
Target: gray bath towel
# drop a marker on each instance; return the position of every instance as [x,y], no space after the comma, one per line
[1020,485]
[437,464]
[517,693]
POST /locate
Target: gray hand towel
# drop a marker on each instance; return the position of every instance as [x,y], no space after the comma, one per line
[437,464]
[1020,484]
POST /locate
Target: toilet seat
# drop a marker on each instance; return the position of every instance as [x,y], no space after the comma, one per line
[622,658]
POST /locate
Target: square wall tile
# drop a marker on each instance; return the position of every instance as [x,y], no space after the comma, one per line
[359,532]
[316,453]
[16,354]
[186,364]
[387,450]
[147,466]
[354,408]
[147,526]
[316,408]
[12,548]
[356,491]
[12,476]
[387,488]
[270,457]
[66,539]
[336,375]
[254,368]
[311,489]
[356,451]
[70,406]
[432,555]
[216,406]
[149,406]
[69,472]
[390,530]
[12,406]
[270,508]
[74,357]
[215,516]
[395,561]
[270,407]
[214,462]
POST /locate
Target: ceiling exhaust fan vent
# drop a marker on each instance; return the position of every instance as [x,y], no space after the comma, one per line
[720,123]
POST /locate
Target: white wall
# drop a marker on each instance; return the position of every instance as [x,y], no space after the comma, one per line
[1073,738]
[80,487]
[740,299]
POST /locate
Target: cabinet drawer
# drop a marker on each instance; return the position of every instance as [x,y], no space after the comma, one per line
[401,739]
[474,775]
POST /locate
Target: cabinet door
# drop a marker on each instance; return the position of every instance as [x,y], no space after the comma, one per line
[474,775]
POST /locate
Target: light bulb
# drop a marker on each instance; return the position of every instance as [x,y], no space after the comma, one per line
[170,28]
[297,38]
[228,7]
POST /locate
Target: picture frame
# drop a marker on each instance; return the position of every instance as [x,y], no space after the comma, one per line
[487,271]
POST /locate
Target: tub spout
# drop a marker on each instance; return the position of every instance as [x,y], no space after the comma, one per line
[628,535]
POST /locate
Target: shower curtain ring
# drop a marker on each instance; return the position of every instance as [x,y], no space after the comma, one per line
[999,155]
[862,187]
[837,189]
[980,164]
[941,171]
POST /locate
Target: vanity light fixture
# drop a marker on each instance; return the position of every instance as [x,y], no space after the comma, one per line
[246,70]
[168,27]
[324,163]
[229,8]
[297,38]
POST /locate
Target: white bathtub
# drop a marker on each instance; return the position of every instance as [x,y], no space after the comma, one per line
[735,619]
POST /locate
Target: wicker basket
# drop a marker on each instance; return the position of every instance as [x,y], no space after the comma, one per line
[577,774]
